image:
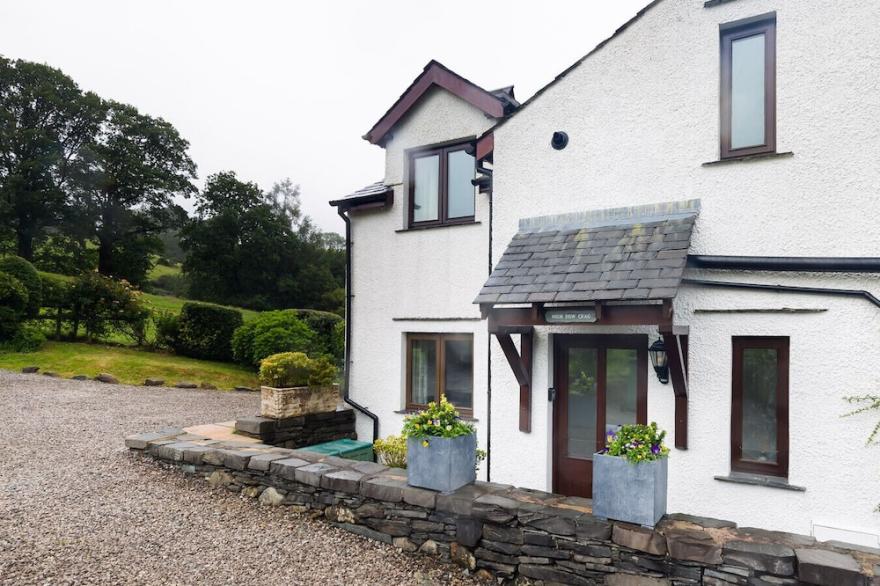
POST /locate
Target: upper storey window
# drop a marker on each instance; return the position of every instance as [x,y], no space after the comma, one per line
[440,189]
[748,87]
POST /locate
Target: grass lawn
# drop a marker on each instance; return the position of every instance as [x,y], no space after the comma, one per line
[129,365]
[162,270]
[174,305]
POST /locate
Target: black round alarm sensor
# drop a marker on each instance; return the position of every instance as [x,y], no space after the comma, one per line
[559,140]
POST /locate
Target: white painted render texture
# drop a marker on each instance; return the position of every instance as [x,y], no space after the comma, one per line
[642,115]
[416,281]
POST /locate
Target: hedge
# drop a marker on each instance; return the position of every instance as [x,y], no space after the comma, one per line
[13,305]
[27,276]
[205,331]
[273,332]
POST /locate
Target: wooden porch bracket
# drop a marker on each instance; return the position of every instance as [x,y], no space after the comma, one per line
[675,339]
[521,365]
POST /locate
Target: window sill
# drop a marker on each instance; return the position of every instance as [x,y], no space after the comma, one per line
[437,226]
[747,158]
[414,411]
[760,480]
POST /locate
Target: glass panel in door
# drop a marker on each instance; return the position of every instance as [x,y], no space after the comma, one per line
[582,385]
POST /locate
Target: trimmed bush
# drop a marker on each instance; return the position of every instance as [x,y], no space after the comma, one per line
[324,324]
[295,369]
[27,276]
[167,329]
[13,305]
[205,331]
[28,338]
[273,332]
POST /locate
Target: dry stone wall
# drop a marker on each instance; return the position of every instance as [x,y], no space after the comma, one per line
[506,533]
[297,432]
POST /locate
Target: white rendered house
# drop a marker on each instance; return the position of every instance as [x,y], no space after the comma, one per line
[707,178]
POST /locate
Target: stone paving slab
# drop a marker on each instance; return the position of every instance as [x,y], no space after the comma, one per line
[828,568]
[262,462]
[286,468]
[224,431]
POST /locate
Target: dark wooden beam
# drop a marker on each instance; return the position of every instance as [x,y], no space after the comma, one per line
[485,146]
[513,359]
[525,391]
[677,360]
[608,315]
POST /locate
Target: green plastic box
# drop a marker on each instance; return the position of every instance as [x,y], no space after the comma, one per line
[344,448]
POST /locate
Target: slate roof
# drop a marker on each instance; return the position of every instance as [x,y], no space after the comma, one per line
[636,254]
[372,190]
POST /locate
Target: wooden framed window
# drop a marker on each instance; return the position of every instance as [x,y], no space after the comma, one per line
[748,87]
[440,364]
[440,188]
[759,418]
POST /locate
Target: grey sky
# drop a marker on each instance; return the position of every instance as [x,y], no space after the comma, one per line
[286,89]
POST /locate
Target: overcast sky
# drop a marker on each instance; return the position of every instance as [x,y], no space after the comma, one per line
[287,89]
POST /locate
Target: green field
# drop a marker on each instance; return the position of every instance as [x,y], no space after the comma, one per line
[162,271]
[157,303]
[129,365]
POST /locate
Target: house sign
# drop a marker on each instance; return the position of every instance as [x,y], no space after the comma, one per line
[570,315]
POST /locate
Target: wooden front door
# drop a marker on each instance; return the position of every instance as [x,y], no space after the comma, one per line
[601,383]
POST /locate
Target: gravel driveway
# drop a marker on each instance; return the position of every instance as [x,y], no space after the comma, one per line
[76,508]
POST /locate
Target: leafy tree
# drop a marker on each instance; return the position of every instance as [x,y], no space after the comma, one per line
[135,167]
[45,119]
[258,250]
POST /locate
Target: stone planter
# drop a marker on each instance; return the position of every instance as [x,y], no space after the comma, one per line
[445,464]
[634,493]
[297,401]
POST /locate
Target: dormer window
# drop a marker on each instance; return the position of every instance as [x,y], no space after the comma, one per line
[748,87]
[440,188]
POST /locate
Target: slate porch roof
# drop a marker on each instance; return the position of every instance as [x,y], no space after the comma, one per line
[635,253]
[373,190]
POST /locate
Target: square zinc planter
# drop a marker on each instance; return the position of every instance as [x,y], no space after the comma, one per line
[444,465]
[634,493]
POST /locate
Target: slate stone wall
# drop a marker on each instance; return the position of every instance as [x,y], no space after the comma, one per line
[502,532]
[298,432]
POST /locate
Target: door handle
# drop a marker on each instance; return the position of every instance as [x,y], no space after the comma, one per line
[551,394]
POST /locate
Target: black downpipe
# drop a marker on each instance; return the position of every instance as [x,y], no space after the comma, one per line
[346,376]
[786,289]
[489,366]
[787,263]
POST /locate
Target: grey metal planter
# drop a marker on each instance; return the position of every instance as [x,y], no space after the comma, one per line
[634,493]
[444,465]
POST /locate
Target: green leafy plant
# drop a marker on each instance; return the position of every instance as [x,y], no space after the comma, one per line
[637,443]
[29,338]
[205,331]
[29,277]
[272,332]
[13,305]
[167,326]
[391,451]
[295,369]
[101,304]
[436,420]
[868,403]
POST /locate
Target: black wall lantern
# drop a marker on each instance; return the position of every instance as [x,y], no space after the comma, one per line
[660,360]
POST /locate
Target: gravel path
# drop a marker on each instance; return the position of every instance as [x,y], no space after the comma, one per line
[76,508]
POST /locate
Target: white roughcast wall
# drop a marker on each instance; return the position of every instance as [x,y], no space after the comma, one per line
[642,117]
[401,279]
